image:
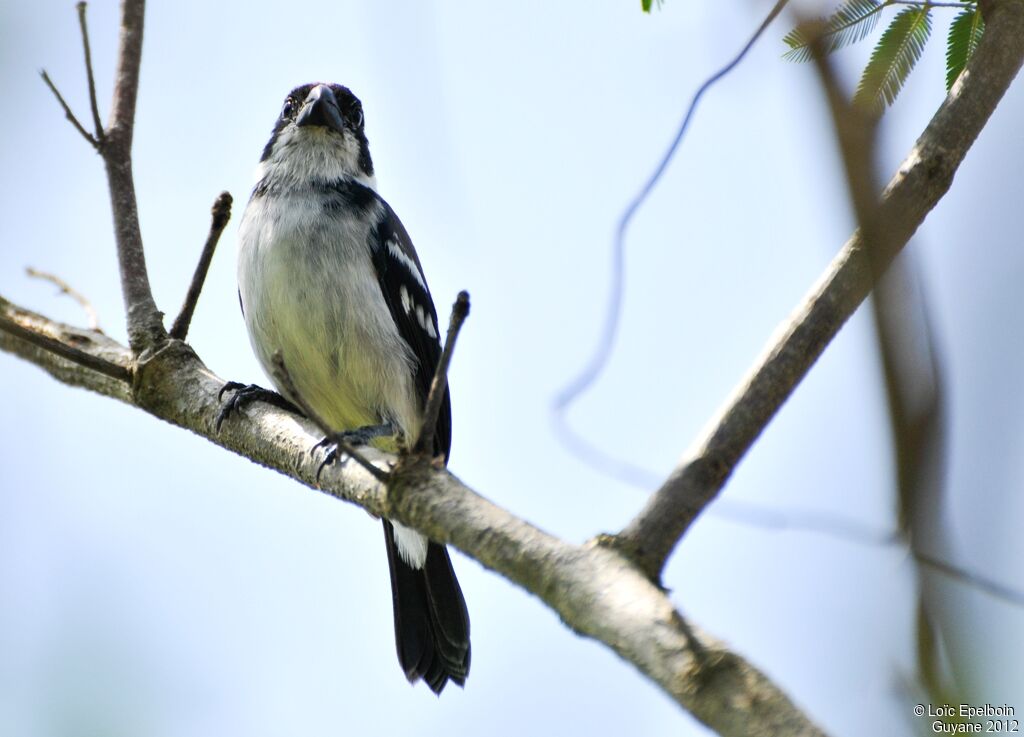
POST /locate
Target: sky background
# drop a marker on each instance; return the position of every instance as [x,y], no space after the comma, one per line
[151,583]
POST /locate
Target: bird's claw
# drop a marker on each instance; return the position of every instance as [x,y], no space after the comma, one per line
[245,393]
[353,438]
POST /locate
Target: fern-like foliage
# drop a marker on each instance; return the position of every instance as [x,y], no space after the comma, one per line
[965,34]
[852,21]
[893,59]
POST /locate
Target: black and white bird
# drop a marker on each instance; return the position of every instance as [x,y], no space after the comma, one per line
[329,278]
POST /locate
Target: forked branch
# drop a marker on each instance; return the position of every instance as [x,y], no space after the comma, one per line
[145,326]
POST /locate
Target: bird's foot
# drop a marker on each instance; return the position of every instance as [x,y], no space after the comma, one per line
[355,438]
[242,394]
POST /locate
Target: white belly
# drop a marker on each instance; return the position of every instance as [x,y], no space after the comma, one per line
[309,290]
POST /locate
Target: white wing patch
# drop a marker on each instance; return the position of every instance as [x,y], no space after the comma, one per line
[422,316]
[403,258]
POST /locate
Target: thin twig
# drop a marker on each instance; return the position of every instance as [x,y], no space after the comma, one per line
[145,321]
[575,442]
[987,585]
[67,111]
[439,384]
[88,70]
[281,373]
[221,213]
[65,288]
[62,349]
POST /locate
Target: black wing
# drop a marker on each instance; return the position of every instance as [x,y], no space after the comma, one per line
[405,290]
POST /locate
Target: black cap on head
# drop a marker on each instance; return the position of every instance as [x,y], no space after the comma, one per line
[332,106]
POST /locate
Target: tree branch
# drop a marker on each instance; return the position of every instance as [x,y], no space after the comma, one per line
[596,592]
[65,351]
[68,113]
[93,105]
[220,214]
[439,384]
[923,178]
[145,324]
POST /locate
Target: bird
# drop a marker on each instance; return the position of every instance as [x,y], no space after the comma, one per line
[329,281]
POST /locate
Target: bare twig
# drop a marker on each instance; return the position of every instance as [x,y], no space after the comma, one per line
[95,139]
[221,213]
[67,111]
[991,587]
[145,326]
[281,373]
[439,384]
[126,79]
[93,105]
[572,440]
[920,183]
[65,288]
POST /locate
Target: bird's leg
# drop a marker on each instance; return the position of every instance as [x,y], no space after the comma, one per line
[242,394]
[359,436]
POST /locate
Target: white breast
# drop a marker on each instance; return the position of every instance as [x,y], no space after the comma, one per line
[309,290]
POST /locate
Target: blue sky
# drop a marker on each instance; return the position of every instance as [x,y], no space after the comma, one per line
[152,583]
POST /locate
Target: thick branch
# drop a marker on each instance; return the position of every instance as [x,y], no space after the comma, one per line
[85,358]
[923,178]
[595,591]
[145,326]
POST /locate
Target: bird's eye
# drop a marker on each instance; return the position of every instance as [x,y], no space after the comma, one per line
[357,118]
[289,108]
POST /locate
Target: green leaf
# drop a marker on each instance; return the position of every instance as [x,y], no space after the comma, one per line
[965,34]
[646,5]
[851,22]
[893,59]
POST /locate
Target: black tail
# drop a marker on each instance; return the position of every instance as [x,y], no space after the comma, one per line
[431,621]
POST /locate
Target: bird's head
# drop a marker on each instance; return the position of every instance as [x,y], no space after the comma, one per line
[318,136]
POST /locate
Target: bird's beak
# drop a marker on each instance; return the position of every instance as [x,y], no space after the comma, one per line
[321,108]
